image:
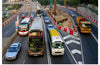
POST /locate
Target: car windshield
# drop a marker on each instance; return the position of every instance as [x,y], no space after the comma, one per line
[57,45]
[12,49]
[23,27]
[50,26]
[86,25]
[46,18]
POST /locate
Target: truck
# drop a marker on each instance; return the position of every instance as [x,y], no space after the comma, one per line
[84,26]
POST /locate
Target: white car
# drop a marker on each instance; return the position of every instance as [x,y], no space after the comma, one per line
[46,19]
[50,26]
[13,51]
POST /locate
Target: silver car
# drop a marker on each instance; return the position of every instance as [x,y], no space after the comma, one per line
[46,19]
[13,51]
[50,26]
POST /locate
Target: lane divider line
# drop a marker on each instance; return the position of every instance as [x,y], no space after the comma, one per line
[94,37]
[47,48]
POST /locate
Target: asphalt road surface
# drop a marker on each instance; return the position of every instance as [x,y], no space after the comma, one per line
[89,44]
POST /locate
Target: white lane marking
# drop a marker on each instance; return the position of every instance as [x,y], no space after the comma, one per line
[80,62]
[81,48]
[24,61]
[70,51]
[72,41]
[68,36]
[74,51]
[94,37]
[47,48]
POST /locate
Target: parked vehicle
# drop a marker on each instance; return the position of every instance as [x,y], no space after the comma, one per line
[13,51]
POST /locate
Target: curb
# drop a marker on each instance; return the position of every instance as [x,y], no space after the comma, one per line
[12,38]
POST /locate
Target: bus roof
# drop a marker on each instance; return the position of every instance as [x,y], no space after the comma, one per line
[56,39]
[36,24]
[25,20]
[53,32]
[55,36]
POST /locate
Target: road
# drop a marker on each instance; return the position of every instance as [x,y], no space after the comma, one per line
[89,43]
[9,29]
[86,47]
[23,57]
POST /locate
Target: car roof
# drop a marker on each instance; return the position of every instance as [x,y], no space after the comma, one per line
[50,25]
[46,17]
[14,45]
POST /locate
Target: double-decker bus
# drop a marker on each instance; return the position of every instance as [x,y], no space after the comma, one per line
[56,43]
[36,38]
[24,27]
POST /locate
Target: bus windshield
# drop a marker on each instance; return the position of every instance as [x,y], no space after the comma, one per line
[86,25]
[38,11]
[58,45]
[23,27]
[35,44]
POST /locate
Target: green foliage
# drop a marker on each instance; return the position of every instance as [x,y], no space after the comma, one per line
[15,6]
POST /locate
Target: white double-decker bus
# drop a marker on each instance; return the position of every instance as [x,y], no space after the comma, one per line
[56,43]
[24,26]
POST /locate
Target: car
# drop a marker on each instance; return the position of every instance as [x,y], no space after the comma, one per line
[46,19]
[73,15]
[23,16]
[43,14]
[71,12]
[13,51]
[32,16]
[50,26]
[38,16]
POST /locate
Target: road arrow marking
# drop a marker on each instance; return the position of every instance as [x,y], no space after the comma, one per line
[71,36]
[80,62]
[76,51]
[72,41]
